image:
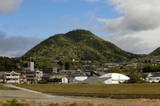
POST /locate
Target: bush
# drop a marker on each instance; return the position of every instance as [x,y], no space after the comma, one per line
[136,77]
[14,102]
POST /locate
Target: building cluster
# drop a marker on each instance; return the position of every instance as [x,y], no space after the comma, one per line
[108,66]
[91,74]
[53,75]
[30,75]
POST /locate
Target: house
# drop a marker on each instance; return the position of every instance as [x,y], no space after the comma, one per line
[51,75]
[59,79]
[2,74]
[33,76]
[114,78]
[29,66]
[132,64]
[50,70]
[110,65]
[30,77]
[74,76]
[153,78]
[79,79]
[12,77]
[55,78]
[23,79]
[39,75]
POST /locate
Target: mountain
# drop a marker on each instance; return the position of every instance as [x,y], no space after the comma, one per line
[156,52]
[78,45]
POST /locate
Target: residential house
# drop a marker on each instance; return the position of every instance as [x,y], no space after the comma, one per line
[12,77]
[55,78]
[79,79]
[33,76]
[74,76]
[110,65]
[132,64]
[2,75]
[29,66]
[23,79]
[153,78]
[50,70]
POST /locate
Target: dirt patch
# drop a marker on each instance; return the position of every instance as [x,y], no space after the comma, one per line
[38,97]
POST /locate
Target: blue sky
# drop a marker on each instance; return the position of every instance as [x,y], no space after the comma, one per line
[133,25]
[43,18]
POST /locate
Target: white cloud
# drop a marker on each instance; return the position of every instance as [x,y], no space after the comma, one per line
[16,45]
[140,20]
[9,5]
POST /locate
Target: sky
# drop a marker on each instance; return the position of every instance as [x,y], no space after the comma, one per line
[133,25]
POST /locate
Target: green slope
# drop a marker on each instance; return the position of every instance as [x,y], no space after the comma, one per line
[80,45]
[156,52]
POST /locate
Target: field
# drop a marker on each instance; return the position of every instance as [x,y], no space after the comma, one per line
[5,88]
[97,90]
[88,102]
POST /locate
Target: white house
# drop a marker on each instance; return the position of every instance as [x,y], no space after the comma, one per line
[114,78]
[12,77]
[80,78]
[38,75]
[64,80]
[153,78]
[58,79]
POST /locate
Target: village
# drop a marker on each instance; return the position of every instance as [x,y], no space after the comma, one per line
[91,74]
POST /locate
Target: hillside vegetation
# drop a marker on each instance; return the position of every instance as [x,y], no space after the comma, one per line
[8,64]
[155,52]
[80,45]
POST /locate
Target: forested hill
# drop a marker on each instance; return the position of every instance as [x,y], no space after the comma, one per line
[156,52]
[78,45]
[8,64]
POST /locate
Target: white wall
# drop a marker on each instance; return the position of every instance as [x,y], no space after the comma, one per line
[64,80]
[80,78]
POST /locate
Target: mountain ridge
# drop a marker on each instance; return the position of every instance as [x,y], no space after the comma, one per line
[156,52]
[81,45]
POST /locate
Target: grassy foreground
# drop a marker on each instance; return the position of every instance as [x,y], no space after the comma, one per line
[92,102]
[85,89]
[5,88]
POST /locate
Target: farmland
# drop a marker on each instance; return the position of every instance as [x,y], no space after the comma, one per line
[5,88]
[87,102]
[96,90]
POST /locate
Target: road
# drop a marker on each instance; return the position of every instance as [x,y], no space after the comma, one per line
[27,94]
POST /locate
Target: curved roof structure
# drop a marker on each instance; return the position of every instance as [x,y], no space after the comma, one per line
[115,76]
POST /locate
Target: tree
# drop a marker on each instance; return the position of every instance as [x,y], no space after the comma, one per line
[67,65]
[136,77]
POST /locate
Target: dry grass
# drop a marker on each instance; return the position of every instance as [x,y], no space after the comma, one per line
[5,88]
[97,90]
[97,102]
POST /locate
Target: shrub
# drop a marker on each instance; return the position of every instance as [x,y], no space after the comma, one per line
[14,102]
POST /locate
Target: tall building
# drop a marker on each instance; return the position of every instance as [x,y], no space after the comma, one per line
[31,66]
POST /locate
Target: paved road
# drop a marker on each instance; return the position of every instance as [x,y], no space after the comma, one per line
[23,93]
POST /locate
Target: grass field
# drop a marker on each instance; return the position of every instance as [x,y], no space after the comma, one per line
[5,88]
[88,102]
[96,90]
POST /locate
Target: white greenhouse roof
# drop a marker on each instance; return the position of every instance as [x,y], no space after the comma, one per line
[115,76]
